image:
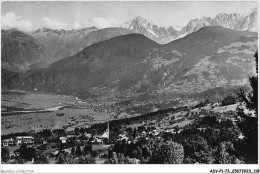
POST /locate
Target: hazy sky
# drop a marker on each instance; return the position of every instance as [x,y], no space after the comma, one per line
[68,15]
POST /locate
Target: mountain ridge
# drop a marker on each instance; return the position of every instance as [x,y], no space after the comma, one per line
[163,35]
[132,64]
[20,50]
[245,22]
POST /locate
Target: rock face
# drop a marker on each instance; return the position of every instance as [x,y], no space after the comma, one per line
[247,22]
[20,50]
[150,30]
[131,65]
[162,35]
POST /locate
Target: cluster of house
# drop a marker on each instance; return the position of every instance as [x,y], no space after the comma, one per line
[28,140]
[97,139]
[100,139]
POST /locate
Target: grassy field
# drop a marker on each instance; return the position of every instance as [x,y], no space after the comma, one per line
[68,118]
[35,121]
[29,100]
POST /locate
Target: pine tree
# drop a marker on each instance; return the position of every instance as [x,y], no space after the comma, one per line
[222,153]
[5,154]
[41,159]
[73,151]
[167,153]
[251,100]
[249,124]
[61,159]
[78,151]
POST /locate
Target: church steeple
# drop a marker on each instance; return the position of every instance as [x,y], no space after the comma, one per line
[108,128]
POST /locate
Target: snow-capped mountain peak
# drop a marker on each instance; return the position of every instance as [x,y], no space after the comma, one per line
[165,34]
[147,28]
[233,21]
[177,27]
[141,20]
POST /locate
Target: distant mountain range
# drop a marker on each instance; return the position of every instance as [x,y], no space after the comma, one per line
[132,64]
[62,43]
[129,61]
[234,21]
[150,30]
[58,44]
[247,22]
[20,50]
[23,51]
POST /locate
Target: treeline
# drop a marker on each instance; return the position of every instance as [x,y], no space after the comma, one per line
[101,127]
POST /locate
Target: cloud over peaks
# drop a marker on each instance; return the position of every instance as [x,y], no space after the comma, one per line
[12,20]
[100,22]
[53,24]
